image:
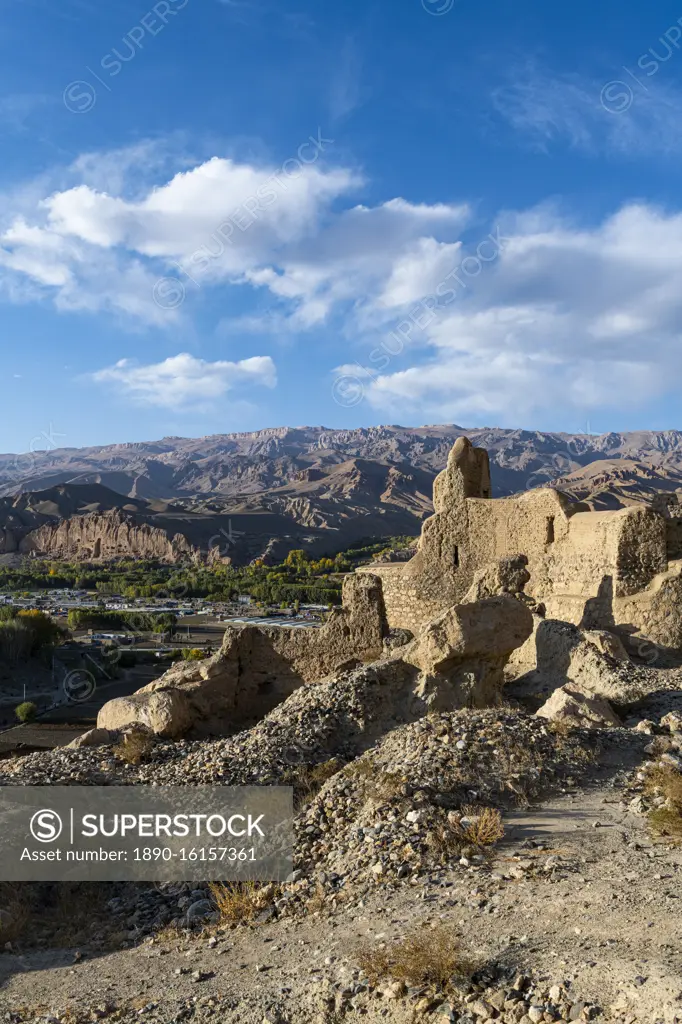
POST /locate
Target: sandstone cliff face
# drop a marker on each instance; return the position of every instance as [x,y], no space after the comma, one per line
[108,535]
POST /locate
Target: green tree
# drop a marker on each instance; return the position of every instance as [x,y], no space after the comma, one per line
[26,711]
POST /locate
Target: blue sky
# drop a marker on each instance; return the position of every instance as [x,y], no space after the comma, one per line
[220,216]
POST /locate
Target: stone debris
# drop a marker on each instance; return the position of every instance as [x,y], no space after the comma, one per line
[394,727]
[569,704]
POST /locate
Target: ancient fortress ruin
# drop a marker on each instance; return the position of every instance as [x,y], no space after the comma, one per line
[599,570]
[534,587]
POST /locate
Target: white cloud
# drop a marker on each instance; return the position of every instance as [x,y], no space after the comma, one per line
[185,381]
[564,317]
[549,313]
[223,223]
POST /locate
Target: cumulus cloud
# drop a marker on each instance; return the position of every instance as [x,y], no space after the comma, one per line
[183,381]
[466,322]
[564,316]
[220,222]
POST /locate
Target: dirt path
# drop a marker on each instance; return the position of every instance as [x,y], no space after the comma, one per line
[577,892]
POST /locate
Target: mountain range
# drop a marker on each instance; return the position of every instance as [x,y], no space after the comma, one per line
[312,486]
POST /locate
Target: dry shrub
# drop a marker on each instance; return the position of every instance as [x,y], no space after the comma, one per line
[445,843]
[134,746]
[429,957]
[485,827]
[316,903]
[237,902]
[15,912]
[667,781]
[308,780]
[666,822]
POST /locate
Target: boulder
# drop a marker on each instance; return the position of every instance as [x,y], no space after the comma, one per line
[166,713]
[595,661]
[489,629]
[461,654]
[582,709]
[672,721]
[91,738]
[607,643]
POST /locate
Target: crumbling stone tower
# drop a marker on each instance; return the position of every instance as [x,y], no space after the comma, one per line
[605,570]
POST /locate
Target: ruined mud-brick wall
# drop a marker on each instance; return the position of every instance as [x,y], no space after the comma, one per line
[607,558]
[467,532]
[673,528]
[464,538]
[408,605]
[629,545]
[257,667]
[580,563]
[440,573]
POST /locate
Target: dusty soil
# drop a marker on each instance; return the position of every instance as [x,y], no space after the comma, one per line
[588,901]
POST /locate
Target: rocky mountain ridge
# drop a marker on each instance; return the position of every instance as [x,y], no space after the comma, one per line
[287,485]
[227,465]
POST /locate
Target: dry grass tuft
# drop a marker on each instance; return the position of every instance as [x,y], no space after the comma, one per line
[666,781]
[170,933]
[238,902]
[561,727]
[134,747]
[429,957]
[317,901]
[445,843]
[665,822]
[308,780]
[484,826]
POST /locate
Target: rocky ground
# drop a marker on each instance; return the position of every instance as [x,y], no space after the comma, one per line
[572,915]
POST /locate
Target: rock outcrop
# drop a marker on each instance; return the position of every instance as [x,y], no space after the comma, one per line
[461,654]
[574,707]
[506,576]
[167,713]
[593,661]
